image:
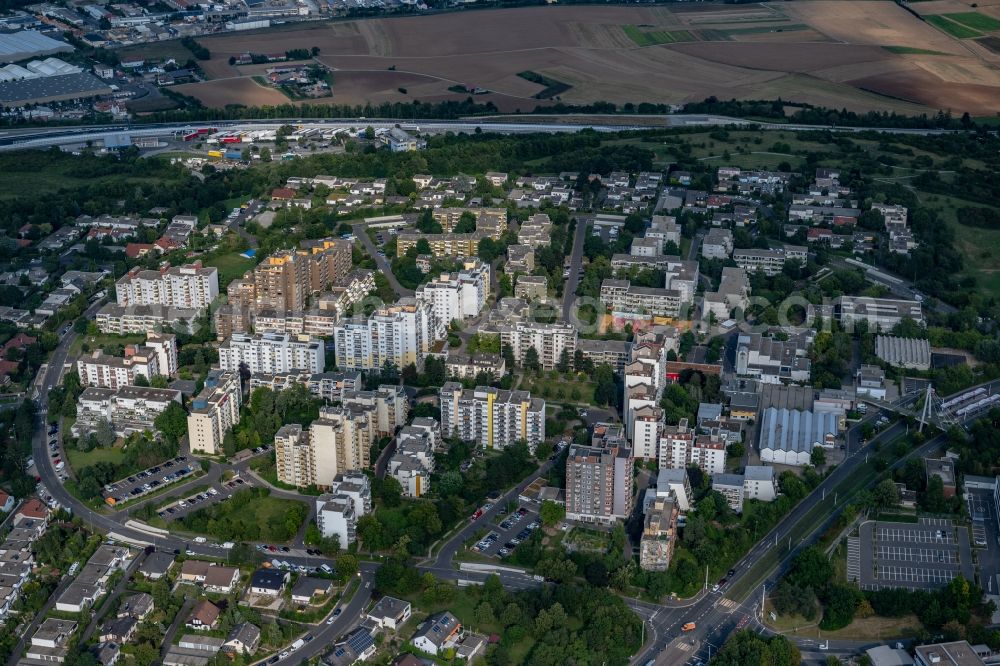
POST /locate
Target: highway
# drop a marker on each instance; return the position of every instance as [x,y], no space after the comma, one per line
[32,138]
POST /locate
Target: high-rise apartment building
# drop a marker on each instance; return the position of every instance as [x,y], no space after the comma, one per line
[400,334]
[680,448]
[599,477]
[548,340]
[338,511]
[286,279]
[293,456]
[189,286]
[492,417]
[214,412]
[113,372]
[272,353]
[456,296]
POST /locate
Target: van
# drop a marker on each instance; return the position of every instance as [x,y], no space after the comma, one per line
[689,626]
[200,539]
[326,568]
[296,645]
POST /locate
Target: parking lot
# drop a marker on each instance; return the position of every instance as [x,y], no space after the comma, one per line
[55,450]
[925,555]
[138,485]
[981,512]
[504,537]
[217,493]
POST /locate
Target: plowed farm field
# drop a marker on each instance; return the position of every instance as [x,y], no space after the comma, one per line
[857,54]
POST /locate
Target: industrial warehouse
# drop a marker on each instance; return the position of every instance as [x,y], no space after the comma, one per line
[29,44]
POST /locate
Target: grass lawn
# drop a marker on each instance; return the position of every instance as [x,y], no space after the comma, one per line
[561,389]
[871,628]
[13,183]
[912,50]
[266,515]
[80,459]
[956,30]
[584,539]
[979,247]
[231,266]
[656,37]
[975,20]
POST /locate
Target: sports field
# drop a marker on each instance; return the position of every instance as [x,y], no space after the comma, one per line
[856,54]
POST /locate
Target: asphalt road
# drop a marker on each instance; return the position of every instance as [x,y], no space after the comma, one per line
[715,615]
[44,137]
[361,233]
[575,262]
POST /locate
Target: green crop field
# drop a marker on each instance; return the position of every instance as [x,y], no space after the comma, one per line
[912,50]
[975,20]
[956,30]
[656,37]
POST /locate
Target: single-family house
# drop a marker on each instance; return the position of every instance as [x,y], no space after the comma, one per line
[244,638]
[120,630]
[136,605]
[156,565]
[269,582]
[307,588]
[204,616]
[390,613]
[437,633]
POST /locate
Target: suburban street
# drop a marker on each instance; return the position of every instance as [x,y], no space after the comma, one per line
[575,264]
[361,233]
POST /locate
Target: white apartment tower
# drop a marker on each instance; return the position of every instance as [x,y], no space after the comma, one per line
[272,353]
[494,418]
[399,334]
[188,286]
[456,296]
[549,340]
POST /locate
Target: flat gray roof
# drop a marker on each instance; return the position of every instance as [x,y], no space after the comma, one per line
[52,88]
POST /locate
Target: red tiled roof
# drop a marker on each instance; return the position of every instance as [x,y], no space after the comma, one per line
[34,508]
[20,341]
[283,193]
[134,250]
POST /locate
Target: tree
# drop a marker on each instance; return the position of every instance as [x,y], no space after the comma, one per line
[172,422]
[531,361]
[606,391]
[346,565]
[885,495]
[551,513]
[391,491]
[484,615]
[466,223]
[818,457]
[104,433]
[563,364]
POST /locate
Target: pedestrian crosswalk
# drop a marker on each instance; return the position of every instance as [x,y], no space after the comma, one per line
[853,559]
[683,646]
[728,604]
